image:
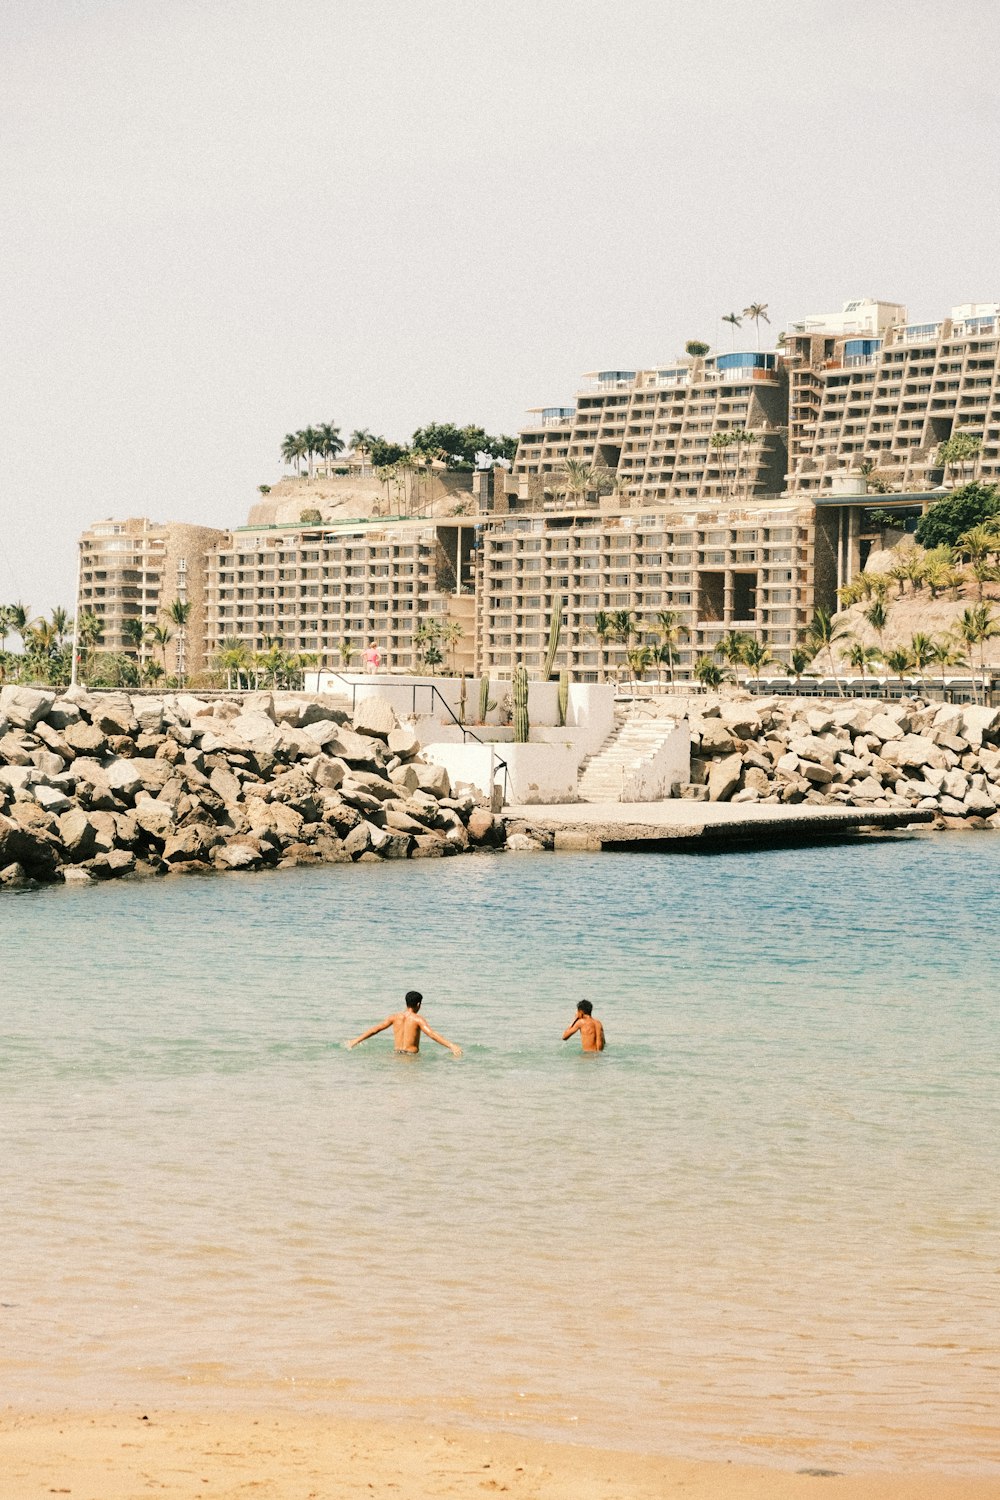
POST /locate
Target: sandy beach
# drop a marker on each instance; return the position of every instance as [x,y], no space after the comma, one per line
[118,1456]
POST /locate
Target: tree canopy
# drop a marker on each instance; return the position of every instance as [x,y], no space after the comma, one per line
[459,446]
[948,519]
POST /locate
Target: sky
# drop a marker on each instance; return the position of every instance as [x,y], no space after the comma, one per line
[227,219]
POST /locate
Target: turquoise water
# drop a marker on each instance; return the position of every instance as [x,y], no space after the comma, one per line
[764,1223]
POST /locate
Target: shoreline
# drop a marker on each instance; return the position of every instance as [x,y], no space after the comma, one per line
[281,1455]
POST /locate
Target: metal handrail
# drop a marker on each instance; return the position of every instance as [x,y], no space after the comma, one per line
[435,693]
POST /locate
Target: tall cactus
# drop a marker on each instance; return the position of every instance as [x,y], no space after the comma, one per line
[461,702]
[555,626]
[485,701]
[520,693]
[563,696]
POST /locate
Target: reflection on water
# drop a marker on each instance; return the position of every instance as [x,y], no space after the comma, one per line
[766,1217]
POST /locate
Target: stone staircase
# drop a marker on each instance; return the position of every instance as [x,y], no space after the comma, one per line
[627,747]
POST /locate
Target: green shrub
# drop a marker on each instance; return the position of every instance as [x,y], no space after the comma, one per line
[946,520]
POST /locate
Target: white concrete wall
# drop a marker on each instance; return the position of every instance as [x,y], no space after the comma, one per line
[652,780]
[535,773]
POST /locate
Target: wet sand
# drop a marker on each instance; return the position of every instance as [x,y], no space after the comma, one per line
[118,1456]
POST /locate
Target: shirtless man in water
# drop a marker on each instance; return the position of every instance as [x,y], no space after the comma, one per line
[406,1028]
[590,1028]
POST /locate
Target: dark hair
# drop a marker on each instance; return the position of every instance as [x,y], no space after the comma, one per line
[413,999]
[585,1006]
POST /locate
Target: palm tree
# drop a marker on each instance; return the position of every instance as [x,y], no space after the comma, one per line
[736,321]
[577,478]
[721,442]
[61,624]
[151,672]
[623,624]
[604,629]
[922,651]
[946,655]
[330,443]
[234,659]
[179,612]
[134,633]
[451,634]
[975,628]
[978,544]
[823,632]
[345,651]
[361,441]
[708,672]
[733,646]
[639,658]
[293,450]
[20,621]
[757,655]
[311,446]
[670,633]
[877,617]
[6,624]
[161,635]
[799,658]
[756,311]
[861,657]
[899,663]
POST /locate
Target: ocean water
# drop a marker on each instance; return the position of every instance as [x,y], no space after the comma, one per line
[764,1223]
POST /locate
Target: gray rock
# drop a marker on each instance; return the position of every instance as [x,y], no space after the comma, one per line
[114,716]
[403,742]
[123,777]
[724,778]
[52,800]
[433,779]
[85,739]
[225,784]
[257,730]
[113,865]
[17,750]
[24,706]
[375,716]
[977,722]
[237,856]
[883,727]
[77,834]
[715,738]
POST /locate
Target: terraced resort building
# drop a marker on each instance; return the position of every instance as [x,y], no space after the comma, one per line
[728,490]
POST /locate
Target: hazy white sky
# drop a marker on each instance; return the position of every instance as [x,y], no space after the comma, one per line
[225,219]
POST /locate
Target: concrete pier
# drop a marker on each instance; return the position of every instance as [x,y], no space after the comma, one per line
[716,825]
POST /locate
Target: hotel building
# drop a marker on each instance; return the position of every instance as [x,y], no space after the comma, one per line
[133,570]
[722,488]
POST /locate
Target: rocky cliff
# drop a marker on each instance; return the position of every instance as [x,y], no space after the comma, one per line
[94,786]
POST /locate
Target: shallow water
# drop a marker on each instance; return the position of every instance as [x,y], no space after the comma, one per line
[765,1221]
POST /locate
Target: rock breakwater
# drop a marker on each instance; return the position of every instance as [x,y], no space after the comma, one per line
[96,786]
[943,758]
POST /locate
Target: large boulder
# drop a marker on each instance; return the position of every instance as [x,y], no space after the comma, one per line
[114,716]
[375,716]
[77,834]
[403,742]
[433,779]
[258,730]
[24,706]
[978,722]
[85,739]
[326,772]
[148,714]
[724,778]
[362,750]
[123,777]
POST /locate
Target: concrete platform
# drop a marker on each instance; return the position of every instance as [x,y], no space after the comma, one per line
[717,825]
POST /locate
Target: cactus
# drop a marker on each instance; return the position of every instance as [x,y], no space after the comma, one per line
[486,702]
[520,689]
[563,696]
[461,701]
[555,625]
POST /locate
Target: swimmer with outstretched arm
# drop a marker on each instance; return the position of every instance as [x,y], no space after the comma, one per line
[406,1028]
[590,1028]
